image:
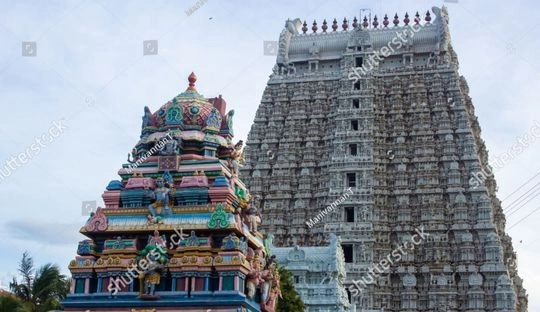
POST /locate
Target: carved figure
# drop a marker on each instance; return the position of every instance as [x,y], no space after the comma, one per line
[237,158]
[147,118]
[161,205]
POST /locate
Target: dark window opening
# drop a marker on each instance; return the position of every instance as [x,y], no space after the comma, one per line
[353,150]
[214,283]
[94,284]
[357,85]
[349,214]
[296,279]
[359,62]
[354,125]
[348,253]
[356,103]
[351,179]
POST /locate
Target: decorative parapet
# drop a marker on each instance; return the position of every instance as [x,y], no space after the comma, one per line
[219,218]
[98,222]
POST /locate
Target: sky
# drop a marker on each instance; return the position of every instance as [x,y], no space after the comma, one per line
[74,101]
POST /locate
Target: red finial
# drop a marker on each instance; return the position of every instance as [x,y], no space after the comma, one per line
[334,25]
[345,24]
[375,22]
[386,22]
[324,26]
[396,20]
[192,79]
[365,23]
[428,17]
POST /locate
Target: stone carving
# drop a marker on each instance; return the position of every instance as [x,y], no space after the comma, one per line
[219,218]
[98,221]
[147,118]
[407,142]
[160,207]
[253,278]
[171,146]
[270,290]
[237,158]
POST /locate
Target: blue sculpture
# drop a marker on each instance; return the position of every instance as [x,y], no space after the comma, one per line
[160,207]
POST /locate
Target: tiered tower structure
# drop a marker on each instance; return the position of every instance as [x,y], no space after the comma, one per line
[380,108]
[318,274]
[178,232]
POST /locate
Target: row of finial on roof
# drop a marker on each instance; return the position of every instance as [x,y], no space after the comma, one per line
[365,24]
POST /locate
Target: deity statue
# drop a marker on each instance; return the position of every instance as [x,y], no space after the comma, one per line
[171,146]
[157,240]
[147,118]
[270,288]
[237,158]
[252,217]
[253,277]
[133,155]
[151,278]
[161,205]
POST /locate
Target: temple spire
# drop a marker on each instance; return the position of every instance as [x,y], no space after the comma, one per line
[192,79]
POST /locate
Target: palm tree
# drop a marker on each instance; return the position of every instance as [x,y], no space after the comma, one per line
[42,290]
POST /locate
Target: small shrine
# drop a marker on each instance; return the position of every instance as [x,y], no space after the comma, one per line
[179,230]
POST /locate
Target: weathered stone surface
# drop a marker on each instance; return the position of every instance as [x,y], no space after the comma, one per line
[403,135]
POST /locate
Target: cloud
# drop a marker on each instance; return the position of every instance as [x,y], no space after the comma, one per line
[51,233]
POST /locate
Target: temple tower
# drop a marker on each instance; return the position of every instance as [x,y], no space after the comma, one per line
[366,130]
[179,228]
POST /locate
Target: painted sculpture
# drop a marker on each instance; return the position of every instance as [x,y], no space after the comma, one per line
[160,207]
[237,158]
[181,177]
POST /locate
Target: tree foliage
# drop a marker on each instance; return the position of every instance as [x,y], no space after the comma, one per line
[290,301]
[39,290]
[8,303]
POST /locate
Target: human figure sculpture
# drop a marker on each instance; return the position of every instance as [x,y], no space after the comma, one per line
[152,277]
[171,147]
[147,118]
[252,215]
[253,277]
[157,240]
[161,195]
[237,158]
[270,288]
[253,218]
[133,156]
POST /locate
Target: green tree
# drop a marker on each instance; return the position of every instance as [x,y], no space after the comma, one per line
[8,303]
[290,301]
[40,290]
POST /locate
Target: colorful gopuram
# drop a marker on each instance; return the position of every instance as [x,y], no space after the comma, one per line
[179,228]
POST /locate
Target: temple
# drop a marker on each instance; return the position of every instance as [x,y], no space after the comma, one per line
[318,274]
[179,230]
[367,131]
